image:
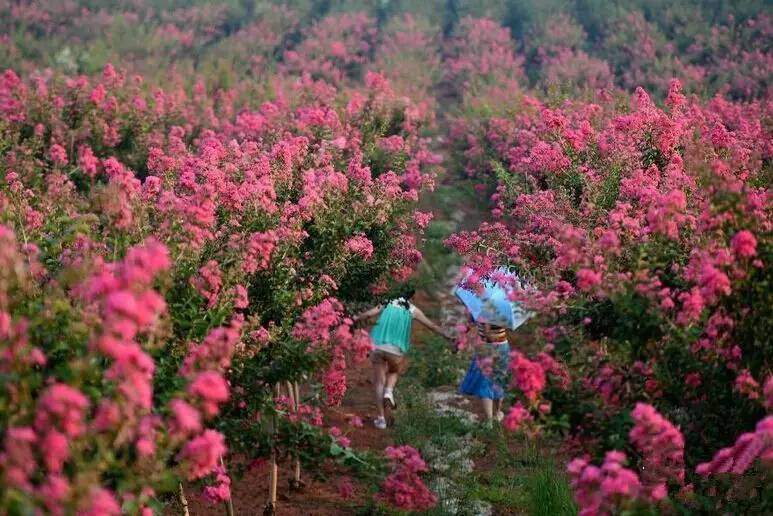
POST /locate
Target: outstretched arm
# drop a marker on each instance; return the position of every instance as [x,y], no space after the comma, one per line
[367,314]
[423,319]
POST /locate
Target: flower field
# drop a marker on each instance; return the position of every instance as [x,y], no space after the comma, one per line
[196,198]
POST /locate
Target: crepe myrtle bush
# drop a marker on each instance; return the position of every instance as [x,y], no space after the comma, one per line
[147,314]
[644,236]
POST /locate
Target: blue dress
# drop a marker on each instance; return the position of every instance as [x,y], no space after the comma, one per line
[477,383]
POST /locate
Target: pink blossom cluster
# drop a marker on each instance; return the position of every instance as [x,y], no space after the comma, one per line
[739,457]
[661,445]
[201,455]
[747,385]
[339,437]
[528,376]
[516,417]
[557,371]
[220,491]
[318,323]
[307,413]
[208,282]
[604,489]
[403,487]
[259,249]
[606,383]
[361,246]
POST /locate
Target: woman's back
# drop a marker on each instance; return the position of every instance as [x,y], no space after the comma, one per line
[394,326]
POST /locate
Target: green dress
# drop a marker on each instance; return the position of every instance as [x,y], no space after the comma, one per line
[393,328]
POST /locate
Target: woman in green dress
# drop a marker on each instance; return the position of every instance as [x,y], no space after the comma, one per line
[391,337]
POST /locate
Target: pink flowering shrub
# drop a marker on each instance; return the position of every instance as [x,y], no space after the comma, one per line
[556,46]
[270,220]
[644,236]
[335,48]
[409,57]
[484,72]
[60,414]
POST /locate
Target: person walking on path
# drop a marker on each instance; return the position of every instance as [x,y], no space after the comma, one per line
[391,337]
[490,300]
[487,375]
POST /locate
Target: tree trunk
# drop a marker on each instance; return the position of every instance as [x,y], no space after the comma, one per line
[229,505]
[270,509]
[297,398]
[184,501]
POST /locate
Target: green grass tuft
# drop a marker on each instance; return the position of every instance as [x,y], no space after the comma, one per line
[549,493]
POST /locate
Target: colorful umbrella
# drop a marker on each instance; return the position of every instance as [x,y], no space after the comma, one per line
[490,301]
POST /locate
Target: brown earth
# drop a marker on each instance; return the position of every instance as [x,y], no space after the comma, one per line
[318,498]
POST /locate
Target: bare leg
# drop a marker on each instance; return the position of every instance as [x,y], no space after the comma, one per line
[379,379]
[488,408]
[391,381]
[497,406]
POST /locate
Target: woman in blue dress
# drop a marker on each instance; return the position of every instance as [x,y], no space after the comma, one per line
[487,375]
